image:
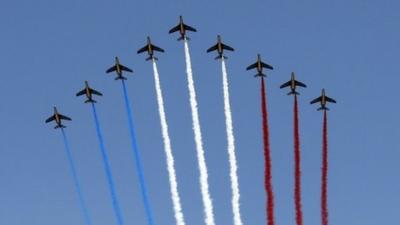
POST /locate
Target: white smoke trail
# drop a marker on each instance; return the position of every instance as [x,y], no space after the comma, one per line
[207,202]
[231,149]
[168,151]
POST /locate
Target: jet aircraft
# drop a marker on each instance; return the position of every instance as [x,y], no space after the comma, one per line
[150,48]
[323,99]
[182,28]
[89,92]
[220,47]
[57,117]
[259,65]
[118,68]
[293,83]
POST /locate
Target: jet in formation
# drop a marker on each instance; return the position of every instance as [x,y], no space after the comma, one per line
[220,47]
[89,92]
[118,68]
[293,83]
[259,65]
[57,117]
[323,99]
[150,48]
[182,28]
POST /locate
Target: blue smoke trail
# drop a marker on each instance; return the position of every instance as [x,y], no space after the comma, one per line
[107,169]
[75,178]
[136,154]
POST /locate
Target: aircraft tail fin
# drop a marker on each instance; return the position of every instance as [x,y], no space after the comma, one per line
[323,108]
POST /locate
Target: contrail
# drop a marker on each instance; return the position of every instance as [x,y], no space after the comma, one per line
[75,178]
[137,158]
[297,168]
[231,149]
[107,169]
[267,157]
[207,202]
[168,150]
[324,191]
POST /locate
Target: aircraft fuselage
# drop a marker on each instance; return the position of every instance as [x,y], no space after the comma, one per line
[259,66]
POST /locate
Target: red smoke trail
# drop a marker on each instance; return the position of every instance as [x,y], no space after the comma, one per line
[267,157]
[297,171]
[324,192]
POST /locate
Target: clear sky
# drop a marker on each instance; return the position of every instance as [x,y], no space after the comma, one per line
[48,48]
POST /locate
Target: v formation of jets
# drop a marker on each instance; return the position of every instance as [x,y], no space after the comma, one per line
[219,47]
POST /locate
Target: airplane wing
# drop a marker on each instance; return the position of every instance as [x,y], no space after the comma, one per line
[187,27]
[298,83]
[144,49]
[111,69]
[64,117]
[229,48]
[175,29]
[156,48]
[51,118]
[330,99]
[287,84]
[252,66]
[213,48]
[316,100]
[125,68]
[95,92]
[267,66]
[81,92]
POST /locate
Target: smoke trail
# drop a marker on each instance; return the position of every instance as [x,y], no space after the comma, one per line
[75,178]
[117,210]
[297,168]
[324,192]
[231,149]
[138,161]
[168,150]
[207,202]
[267,157]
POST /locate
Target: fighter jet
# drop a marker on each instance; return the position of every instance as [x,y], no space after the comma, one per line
[89,92]
[58,118]
[182,28]
[293,83]
[220,47]
[323,99]
[118,68]
[259,65]
[150,48]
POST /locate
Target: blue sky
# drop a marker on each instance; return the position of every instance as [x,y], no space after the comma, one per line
[48,48]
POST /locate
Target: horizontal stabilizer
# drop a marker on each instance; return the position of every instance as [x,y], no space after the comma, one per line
[120,78]
[151,58]
[183,38]
[220,57]
[59,126]
[293,93]
[90,101]
[260,75]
